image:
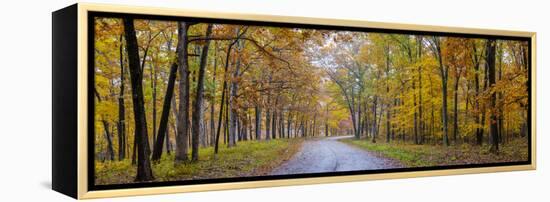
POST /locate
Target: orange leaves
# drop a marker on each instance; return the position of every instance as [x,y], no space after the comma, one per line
[456,54]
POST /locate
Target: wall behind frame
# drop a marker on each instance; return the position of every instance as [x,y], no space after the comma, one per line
[26,99]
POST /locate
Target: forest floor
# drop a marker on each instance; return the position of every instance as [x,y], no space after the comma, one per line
[413,155]
[248,158]
[310,155]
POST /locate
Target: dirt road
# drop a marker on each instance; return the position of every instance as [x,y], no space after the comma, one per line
[330,155]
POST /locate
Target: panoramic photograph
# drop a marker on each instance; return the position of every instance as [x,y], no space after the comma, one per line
[197,100]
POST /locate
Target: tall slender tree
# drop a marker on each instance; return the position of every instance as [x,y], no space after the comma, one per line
[182,138]
[197,105]
[493,128]
[163,126]
[121,110]
[444,74]
[144,172]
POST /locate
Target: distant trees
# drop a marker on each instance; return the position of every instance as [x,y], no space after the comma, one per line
[392,80]
[344,69]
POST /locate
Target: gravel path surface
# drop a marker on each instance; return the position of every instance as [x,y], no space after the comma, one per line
[330,155]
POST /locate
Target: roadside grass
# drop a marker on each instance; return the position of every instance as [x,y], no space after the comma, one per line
[248,158]
[412,155]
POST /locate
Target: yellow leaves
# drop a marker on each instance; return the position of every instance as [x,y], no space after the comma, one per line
[108,26]
[310,72]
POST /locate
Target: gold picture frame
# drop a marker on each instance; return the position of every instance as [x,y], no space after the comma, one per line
[79,186]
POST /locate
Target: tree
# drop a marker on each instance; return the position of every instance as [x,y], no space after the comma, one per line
[258,125]
[456,53]
[197,106]
[213,98]
[157,149]
[224,88]
[121,126]
[347,73]
[388,102]
[233,131]
[476,60]
[182,137]
[420,86]
[144,172]
[106,129]
[444,74]
[110,150]
[493,129]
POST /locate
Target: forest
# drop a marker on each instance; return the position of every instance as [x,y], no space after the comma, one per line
[183,100]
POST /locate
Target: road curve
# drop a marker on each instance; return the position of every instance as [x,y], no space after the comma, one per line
[321,155]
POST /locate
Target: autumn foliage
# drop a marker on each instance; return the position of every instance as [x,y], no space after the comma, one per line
[206,86]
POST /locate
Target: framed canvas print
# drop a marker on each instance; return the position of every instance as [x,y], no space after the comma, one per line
[157,100]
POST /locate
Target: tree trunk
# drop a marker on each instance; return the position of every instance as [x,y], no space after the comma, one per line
[359,117]
[121,127]
[144,172]
[250,128]
[302,128]
[526,65]
[388,102]
[233,131]
[167,142]
[374,124]
[213,99]
[288,124]
[388,123]
[175,114]
[226,126]
[247,127]
[238,135]
[154,100]
[420,118]
[444,112]
[110,150]
[367,124]
[493,129]
[182,143]
[282,124]
[258,121]
[134,150]
[479,130]
[163,126]
[197,106]
[444,77]
[267,124]
[212,124]
[415,119]
[455,109]
[502,131]
[306,129]
[274,125]
[222,103]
